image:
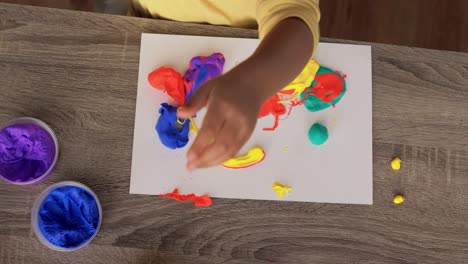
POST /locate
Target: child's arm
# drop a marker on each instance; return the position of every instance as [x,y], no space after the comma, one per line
[234,99]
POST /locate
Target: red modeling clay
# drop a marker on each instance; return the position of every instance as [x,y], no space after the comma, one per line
[273,107]
[328,87]
[198,201]
[169,81]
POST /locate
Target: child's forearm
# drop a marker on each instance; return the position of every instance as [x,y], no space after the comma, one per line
[279,58]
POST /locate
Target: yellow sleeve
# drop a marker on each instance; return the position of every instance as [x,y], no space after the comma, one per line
[271,12]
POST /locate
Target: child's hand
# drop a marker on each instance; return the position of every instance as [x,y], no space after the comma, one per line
[232,110]
[234,99]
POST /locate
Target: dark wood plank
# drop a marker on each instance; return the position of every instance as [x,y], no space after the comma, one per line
[78,72]
[436,24]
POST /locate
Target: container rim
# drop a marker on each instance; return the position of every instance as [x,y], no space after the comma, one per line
[35,121]
[38,203]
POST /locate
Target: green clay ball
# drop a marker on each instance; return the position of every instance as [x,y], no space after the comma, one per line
[318,134]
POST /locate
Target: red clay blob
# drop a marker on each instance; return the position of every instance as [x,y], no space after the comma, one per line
[329,87]
[169,81]
[273,107]
[198,201]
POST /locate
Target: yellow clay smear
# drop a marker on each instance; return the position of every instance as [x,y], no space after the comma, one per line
[302,81]
[254,156]
[281,190]
[193,126]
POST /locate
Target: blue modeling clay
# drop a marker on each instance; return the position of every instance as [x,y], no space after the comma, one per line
[68,217]
[201,69]
[168,135]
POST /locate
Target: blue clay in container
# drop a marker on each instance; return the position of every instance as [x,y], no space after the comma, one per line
[67,216]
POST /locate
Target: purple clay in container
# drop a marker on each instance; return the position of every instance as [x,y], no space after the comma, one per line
[28,151]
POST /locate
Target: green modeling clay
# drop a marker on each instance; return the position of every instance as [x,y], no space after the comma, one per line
[326,90]
[318,134]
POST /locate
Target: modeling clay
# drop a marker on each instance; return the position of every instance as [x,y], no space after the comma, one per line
[169,136]
[286,149]
[169,81]
[398,199]
[68,217]
[298,85]
[253,157]
[396,163]
[326,90]
[26,152]
[201,69]
[281,190]
[193,126]
[198,201]
[273,107]
[318,87]
[318,134]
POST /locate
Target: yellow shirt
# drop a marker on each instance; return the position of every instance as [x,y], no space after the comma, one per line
[245,14]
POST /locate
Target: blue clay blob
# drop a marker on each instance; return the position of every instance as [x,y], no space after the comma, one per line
[169,136]
[313,104]
[68,217]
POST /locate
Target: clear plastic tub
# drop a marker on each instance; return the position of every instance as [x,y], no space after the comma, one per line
[43,125]
[38,204]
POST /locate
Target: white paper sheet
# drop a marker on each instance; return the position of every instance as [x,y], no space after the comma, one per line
[340,171]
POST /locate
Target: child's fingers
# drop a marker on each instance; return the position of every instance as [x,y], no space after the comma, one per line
[196,102]
[211,125]
[227,144]
[209,156]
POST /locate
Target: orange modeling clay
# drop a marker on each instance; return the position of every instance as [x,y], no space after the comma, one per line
[253,157]
[169,81]
[198,201]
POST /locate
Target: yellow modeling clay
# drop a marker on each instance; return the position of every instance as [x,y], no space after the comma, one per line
[398,199]
[254,156]
[396,163]
[281,190]
[302,81]
[193,126]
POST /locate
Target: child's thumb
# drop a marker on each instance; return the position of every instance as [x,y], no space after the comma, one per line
[194,104]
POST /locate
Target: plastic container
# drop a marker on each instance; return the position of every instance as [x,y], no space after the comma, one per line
[34,121]
[38,204]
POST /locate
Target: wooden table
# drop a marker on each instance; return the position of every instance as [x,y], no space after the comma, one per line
[78,72]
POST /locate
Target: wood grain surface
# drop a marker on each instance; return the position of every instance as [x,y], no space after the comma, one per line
[78,72]
[436,24]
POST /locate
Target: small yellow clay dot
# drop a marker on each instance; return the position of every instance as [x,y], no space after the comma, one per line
[281,190]
[398,199]
[334,120]
[286,149]
[396,163]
